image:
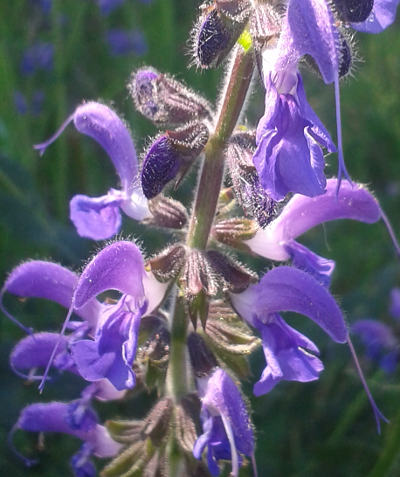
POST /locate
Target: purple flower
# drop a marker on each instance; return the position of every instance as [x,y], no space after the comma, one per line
[67,418]
[114,327]
[99,218]
[277,240]
[123,42]
[382,15]
[226,424]
[289,138]
[37,57]
[380,342]
[20,102]
[287,352]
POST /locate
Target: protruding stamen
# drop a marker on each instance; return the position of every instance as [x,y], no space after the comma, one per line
[377,413]
[44,145]
[391,232]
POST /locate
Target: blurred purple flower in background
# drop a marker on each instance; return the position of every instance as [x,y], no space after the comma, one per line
[37,57]
[123,42]
[382,344]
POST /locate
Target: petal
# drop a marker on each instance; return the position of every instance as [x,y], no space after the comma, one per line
[34,351]
[103,125]
[48,417]
[319,267]
[383,15]
[97,218]
[309,28]
[303,213]
[112,354]
[48,280]
[290,289]
[118,266]
[286,360]
[103,444]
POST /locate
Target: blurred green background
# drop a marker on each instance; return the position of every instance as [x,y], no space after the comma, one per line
[302,429]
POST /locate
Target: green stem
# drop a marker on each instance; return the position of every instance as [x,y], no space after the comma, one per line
[177,376]
[213,166]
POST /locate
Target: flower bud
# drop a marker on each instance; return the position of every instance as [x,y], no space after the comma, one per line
[345,59]
[353,10]
[215,34]
[198,276]
[166,212]
[165,101]
[245,180]
[172,154]
[202,359]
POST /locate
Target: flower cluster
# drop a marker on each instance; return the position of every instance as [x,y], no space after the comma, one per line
[134,320]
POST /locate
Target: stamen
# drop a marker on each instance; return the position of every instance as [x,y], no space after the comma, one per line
[27,330]
[341,164]
[231,439]
[44,145]
[390,231]
[254,464]
[377,413]
[53,353]
[26,461]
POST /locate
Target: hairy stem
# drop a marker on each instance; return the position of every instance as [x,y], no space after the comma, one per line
[213,166]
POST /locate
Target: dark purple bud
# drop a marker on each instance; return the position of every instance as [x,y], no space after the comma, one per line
[165,101]
[166,212]
[202,359]
[161,164]
[235,276]
[345,59]
[171,153]
[353,10]
[245,180]
[215,34]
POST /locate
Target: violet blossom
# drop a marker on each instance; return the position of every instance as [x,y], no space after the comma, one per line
[289,355]
[99,218]
[278,240]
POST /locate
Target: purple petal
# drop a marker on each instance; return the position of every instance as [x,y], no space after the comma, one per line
[287,356]
[112,353]
[383,15]
[319,267]
[118,266]
[97,218]
[48,280]
[34,351]
[103,125]
[309,28]
[290,289]
[303,213]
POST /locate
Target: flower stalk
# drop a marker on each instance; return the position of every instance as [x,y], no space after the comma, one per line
[209,185]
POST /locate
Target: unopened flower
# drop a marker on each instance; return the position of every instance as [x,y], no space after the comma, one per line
[99,217]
